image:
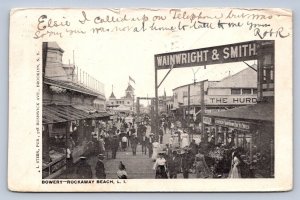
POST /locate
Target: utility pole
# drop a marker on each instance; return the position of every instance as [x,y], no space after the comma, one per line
[203,111]
[138,107]
[188,109]
[156,121]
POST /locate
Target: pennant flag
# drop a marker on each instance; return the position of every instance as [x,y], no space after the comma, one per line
[131,79]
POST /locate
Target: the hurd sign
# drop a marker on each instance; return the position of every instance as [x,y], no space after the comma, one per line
[211,55]
[230,100]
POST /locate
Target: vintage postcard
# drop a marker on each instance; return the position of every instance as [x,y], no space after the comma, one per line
[150,100]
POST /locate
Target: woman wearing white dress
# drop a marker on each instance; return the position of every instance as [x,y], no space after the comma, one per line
[235,169]
[184,139]
[155,147]
[160,167]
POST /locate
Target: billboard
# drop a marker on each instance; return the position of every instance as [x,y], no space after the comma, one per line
[236,52]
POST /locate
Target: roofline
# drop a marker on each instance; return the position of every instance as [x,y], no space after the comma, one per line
[217,81]
[54,48]
[255,87]
[233,75]
[193,84]
[58,83]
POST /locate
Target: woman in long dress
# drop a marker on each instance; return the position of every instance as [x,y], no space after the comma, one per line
[160,167]
[202,170]
[184,140]
[155,147]
[235,170]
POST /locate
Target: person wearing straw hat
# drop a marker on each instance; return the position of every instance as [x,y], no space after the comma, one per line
[160,166]
[100,169]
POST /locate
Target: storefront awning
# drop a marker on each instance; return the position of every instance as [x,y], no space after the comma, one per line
[63,113]
[260,111]
[87,109]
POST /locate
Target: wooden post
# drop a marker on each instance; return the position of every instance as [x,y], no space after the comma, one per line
[237,139]
[152,116]
[203,112]
[80,131]
[188,109]
[272,158]
[251,149]
[216,135]
[138,107]
[156,105]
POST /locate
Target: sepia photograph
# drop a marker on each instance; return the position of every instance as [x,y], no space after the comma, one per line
[149,95]
[203,129]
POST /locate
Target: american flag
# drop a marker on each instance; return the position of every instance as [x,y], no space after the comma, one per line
[131,79]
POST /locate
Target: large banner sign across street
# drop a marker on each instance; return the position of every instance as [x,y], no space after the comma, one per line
[211,55]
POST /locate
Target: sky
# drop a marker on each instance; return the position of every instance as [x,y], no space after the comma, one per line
[116,69]
[112,57]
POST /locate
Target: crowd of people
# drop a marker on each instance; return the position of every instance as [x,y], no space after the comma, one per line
[172,157]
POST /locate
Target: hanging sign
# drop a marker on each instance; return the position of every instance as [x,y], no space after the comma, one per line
[207,120]
[232,124]
[205,56]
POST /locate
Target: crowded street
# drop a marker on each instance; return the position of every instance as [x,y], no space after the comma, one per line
[204,129]
[137,167]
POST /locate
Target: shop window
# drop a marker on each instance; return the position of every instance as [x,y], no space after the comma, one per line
[264,75]
[272,76]
[267,59]
[246,91]
[185,93]
[236,91]
[254,91]
[175,95]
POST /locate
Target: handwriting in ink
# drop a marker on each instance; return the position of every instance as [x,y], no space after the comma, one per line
[177,14]
[44,22]
[257,25]
[229,24]
[85,19]
[41,34]
[270,33]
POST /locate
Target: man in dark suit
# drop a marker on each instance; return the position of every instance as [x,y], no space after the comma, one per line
[84,170]
[173,164]
[114,146]
[100,169]
[134,143]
